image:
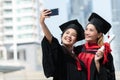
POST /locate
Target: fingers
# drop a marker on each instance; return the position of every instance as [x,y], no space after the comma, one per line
[97,58]
[99,55]
[46,12]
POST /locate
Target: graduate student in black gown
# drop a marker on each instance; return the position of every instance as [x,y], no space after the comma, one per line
[98,63]
[59,60]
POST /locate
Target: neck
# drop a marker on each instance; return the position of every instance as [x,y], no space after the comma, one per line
[91,45]
[91,42]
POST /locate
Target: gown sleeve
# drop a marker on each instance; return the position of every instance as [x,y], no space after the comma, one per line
[49,56]
[107,70]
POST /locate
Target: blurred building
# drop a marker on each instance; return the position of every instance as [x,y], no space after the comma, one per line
[20,35]
[116,27]
[76,10]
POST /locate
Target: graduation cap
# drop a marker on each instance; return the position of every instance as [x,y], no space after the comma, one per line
[75,25]
[101,24]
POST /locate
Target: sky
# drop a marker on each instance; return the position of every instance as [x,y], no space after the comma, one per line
[54,21]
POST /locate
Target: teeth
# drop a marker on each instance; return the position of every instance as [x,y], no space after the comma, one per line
[67,40]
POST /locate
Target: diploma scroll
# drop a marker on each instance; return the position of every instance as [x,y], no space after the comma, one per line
[108,41]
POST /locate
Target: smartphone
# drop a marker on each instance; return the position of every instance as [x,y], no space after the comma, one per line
[54,12]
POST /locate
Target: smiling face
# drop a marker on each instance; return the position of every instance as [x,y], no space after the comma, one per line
[69,37]
[91,34]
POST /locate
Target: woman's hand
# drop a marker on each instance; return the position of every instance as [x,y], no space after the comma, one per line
[99,55]
[44,14]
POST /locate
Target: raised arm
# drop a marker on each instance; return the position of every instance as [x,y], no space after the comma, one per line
[43,15]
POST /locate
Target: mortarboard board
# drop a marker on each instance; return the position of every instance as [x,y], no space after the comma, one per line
[101,24]
[75,25]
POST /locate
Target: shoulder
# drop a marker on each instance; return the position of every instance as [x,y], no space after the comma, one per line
[78,48]
[53,45]
[54,40]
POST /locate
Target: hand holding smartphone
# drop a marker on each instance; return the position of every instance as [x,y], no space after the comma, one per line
[54,12]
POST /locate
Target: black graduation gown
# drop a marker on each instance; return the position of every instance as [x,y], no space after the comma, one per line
[58,64]
[107,70]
